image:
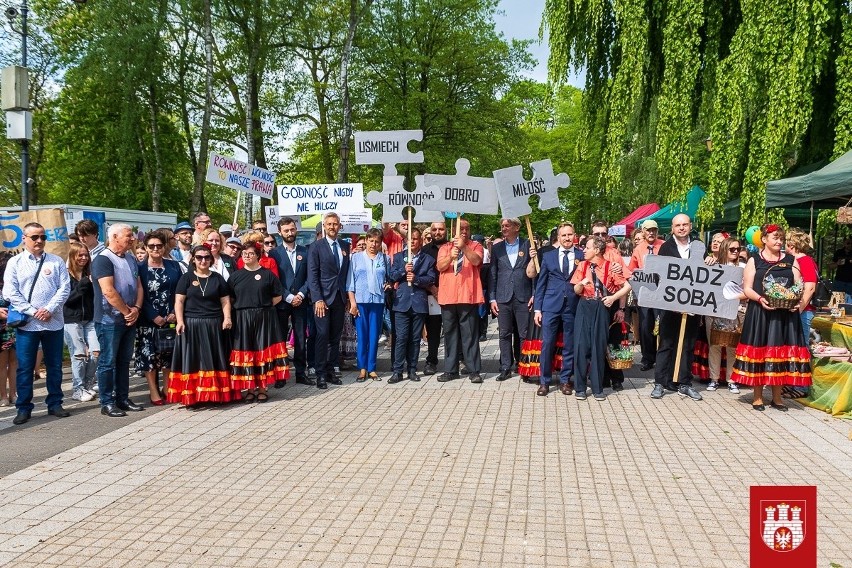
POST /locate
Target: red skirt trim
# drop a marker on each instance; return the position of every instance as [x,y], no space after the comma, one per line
[203,386]
[774,365]
[252,369]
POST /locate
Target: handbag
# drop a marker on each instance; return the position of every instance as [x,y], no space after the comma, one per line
[19,319]
[844,214]
[164,339]
[822,293]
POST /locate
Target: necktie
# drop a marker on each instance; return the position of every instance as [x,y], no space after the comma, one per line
[650,249]
[459,262]
[336,252]
[596,283]
[566,268]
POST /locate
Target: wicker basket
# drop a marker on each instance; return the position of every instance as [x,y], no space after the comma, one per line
[724,338]
[782,303]
[619,364]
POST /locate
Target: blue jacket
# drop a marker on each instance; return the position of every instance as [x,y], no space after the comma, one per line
[293,282]
[149,312]
[414,297]
[326,280]
[553,291]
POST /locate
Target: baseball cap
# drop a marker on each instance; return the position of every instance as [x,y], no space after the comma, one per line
[650,224]
[234,241]
[226,228]
[183,226]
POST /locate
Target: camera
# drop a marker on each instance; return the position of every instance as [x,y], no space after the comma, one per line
[11,13]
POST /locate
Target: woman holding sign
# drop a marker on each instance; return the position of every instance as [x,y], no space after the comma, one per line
[772,349]
[366,285]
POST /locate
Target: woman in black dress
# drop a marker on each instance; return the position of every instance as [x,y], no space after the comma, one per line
[203,311]
[772,349]
[259,354]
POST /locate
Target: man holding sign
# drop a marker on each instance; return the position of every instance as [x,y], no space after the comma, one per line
[670,324]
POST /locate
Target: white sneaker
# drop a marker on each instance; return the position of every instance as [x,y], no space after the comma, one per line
[382,339]
[733,388]
[94,388]
[712,386]
[82,395]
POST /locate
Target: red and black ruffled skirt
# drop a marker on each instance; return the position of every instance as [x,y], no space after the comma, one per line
[772,349]
[200,371]
[259,353]
[530,364]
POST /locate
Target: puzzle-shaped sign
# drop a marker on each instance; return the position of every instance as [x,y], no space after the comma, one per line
[514,190]
[688,285]
[394,198]
[461,192]
[388,147]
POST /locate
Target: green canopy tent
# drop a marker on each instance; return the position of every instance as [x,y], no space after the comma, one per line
[664,216]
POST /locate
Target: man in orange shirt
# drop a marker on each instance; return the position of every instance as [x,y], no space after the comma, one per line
[394,235]
[459,294]
[647,316]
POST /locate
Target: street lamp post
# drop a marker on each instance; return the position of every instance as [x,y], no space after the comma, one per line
[25,144]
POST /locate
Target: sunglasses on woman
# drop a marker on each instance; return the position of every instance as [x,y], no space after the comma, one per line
[734,249]
[154,247]
[269,243]
[203,257]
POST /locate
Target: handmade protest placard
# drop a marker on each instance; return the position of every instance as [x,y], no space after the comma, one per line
[388,148]
[240,176]
[394,198]
[320,198]
[461,192]
[356,221]
[688,285]
[514,191]
[53,220]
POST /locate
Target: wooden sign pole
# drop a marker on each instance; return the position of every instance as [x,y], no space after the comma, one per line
[679,346]
[237,209]
[410,226]
[532,243]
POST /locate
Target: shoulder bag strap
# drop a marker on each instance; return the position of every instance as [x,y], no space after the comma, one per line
[38,271]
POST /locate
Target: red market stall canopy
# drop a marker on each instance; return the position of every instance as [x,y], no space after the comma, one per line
[626,225]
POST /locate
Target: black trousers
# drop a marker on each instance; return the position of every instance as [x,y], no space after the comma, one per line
[433,338]
[327,346]
[294,318]
[647,340]
[409,329]
[667,352]
[591,328]
[512,321]
[461,327]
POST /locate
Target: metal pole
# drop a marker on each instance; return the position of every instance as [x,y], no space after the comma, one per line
[25,144]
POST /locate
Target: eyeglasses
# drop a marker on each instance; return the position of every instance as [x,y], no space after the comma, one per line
[204,257]
[154,247]
[600,234]
[35,238]
[269,243]
[204,221]
[734,249]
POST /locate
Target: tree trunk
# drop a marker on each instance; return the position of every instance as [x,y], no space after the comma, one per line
[198,201]
[346,132]
[156,188]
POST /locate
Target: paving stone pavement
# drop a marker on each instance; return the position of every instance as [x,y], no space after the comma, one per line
[429,474]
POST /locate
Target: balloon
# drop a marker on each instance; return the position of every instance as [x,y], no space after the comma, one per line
[751,248]
[749,232]
[757,239]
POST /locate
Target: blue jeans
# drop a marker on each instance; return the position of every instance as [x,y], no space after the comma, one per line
[26,345]
[114,363]
[807,316]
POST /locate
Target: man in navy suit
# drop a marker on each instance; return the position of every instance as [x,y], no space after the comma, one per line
[511,292]
[328,266]
[292,261]
[555,302]
[414,277]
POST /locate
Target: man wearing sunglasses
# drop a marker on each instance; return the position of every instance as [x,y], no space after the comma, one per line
[647,316]
[37,284]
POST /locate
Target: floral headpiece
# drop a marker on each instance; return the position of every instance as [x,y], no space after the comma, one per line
[769,229]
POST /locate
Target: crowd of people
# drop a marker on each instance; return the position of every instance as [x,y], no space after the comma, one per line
[213,316]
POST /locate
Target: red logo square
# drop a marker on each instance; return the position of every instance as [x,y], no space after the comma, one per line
[783,526]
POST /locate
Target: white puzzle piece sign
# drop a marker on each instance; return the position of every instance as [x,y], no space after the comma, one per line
[394,198]
[388,148]
[514,191]
[461,192]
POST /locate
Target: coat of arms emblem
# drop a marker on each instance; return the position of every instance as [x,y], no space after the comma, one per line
[783,525]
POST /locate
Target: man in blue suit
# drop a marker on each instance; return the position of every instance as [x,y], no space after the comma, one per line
[555,302]
[510,292]
[413,278]
[328,266]
[292,261]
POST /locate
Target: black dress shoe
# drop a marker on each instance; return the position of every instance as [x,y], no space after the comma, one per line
[646,367]
[413,377]
[617,387]
[129,405]
[334,380]
[504,375]
[58,411]
[445,377]
[306,381]
[322,385]
[279,384]
[395,378]
[476,378]
[543,390]
[112,411]
[430,369]
[22,417]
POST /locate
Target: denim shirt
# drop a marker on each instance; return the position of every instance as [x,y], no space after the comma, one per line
[367,278]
